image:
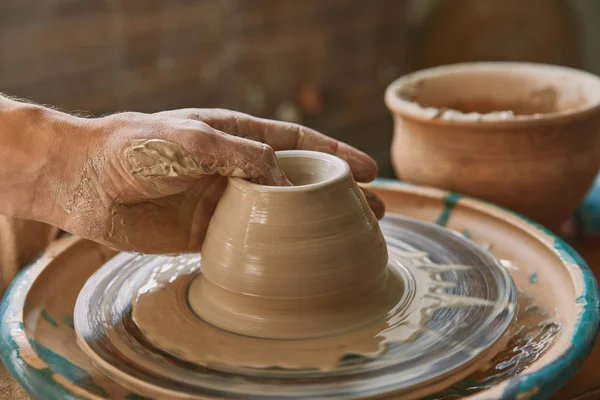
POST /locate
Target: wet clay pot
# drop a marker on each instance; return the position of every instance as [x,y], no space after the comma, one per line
[293,262]
[524,136]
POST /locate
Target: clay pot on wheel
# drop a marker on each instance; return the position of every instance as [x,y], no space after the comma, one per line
[293,262]
[525,136]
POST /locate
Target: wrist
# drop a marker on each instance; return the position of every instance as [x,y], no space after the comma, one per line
[36,146]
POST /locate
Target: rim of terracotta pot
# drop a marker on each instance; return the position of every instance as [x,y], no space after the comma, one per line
[576,93]
[323,168]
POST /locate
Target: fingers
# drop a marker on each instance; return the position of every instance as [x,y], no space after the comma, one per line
[375,203]
[216,152]
[249,159]
[183,150]
[285,136]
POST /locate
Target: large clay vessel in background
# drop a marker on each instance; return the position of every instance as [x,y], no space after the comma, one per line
[525,136]
[291,262]
[543,31]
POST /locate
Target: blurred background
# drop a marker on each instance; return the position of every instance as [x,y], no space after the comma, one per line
[324,64]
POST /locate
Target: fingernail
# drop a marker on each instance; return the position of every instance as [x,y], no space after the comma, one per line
[366,169]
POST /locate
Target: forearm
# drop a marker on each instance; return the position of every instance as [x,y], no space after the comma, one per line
[33,147]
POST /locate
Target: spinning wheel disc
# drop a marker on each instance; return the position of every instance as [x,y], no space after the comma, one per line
[456,302]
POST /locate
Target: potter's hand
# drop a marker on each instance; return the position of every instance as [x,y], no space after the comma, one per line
[150,182]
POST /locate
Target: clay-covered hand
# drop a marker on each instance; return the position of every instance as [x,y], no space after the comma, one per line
[150,182]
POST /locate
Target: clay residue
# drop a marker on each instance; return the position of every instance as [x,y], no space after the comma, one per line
[536,104]
[158,158]
[161,158]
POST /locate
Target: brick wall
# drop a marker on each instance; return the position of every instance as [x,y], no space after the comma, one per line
[322,63]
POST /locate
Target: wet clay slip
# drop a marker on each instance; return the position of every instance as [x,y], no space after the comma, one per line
[524,136]
[457,300]
[39,344]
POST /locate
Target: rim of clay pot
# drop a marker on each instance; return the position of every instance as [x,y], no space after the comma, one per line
[569,93]
[318,170]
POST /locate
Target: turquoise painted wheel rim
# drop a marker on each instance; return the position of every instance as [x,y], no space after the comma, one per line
[540,384]
[37,382]
[543,383]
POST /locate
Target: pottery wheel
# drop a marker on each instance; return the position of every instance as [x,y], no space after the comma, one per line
[450,304]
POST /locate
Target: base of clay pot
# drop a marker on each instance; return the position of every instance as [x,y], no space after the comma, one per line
[295,318]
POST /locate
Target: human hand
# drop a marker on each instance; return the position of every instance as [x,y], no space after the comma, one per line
[150,182]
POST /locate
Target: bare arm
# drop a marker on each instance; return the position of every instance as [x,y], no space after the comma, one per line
[143,182]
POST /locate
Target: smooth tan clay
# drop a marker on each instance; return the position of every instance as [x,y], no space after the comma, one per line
[293,262]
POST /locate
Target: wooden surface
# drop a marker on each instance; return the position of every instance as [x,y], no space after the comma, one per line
[9,389]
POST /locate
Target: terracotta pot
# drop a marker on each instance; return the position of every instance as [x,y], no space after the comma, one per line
[525,136]
[289,262]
